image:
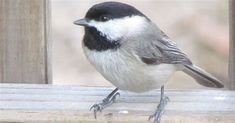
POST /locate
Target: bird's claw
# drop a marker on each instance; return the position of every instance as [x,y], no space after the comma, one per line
[96,108]
[105,103]
[160,110]
[157,116]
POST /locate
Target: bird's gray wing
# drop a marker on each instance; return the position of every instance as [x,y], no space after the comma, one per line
[161,50]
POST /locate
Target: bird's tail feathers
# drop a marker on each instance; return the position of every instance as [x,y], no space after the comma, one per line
[202,77]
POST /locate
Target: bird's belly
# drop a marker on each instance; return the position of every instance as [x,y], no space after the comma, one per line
[129,74]
[143,79]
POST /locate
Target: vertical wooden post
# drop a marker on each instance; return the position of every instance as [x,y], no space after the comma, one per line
[232,44]
[24,41]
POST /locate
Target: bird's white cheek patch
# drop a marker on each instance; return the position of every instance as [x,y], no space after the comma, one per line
[117,28]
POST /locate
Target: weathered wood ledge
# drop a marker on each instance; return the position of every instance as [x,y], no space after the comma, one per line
[52,103]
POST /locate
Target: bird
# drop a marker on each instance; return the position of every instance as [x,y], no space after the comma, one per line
[134,54]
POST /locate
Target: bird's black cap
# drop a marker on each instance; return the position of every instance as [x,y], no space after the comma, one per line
[93,39]
[112,10]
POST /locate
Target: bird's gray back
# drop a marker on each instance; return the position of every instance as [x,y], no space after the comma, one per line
[153,47]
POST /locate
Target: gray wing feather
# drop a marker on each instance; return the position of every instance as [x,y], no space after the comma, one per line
[161,50]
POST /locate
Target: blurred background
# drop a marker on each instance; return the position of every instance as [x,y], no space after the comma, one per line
[199,27]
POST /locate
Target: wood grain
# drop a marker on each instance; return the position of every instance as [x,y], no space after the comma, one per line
[24,27]
[70,104]
[232,44]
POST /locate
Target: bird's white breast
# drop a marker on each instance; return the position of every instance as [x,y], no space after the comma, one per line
[127,72]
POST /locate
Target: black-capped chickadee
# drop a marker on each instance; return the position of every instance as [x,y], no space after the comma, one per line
[131,52]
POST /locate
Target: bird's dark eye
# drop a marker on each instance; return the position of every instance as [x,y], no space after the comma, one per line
[104,18]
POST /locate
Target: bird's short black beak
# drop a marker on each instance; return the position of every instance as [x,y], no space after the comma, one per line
[81,22]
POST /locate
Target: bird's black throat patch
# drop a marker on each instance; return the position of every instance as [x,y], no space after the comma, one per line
[93,40]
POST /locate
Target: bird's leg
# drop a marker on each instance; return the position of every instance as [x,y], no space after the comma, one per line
[109,100]
[160,108]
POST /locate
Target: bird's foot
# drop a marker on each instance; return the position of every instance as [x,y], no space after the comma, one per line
[109,100]
[160,110]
